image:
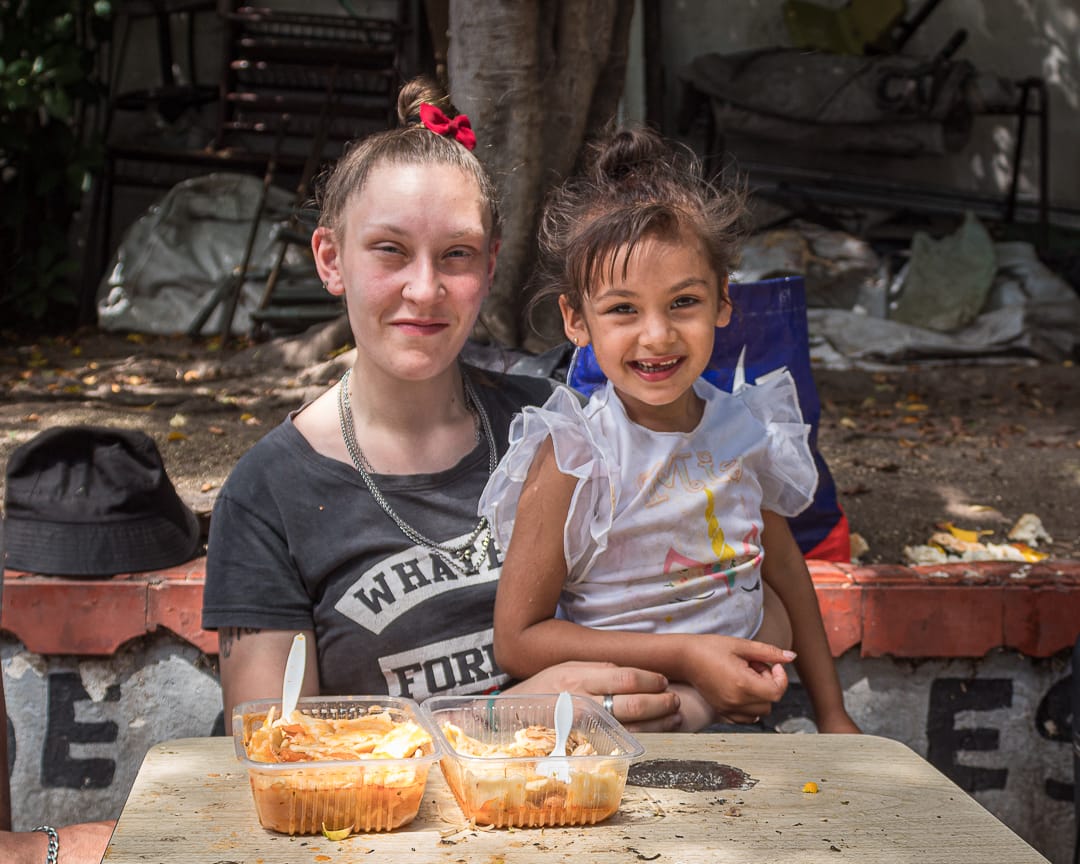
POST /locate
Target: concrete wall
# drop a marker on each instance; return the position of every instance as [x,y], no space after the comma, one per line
[1011,38]
[79,727]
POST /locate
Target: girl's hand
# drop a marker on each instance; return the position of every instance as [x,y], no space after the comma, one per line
[740,678]
[642,700]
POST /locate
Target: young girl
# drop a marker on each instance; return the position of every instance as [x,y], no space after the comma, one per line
[652,519]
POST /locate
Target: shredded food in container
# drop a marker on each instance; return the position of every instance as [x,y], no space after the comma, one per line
[302,738]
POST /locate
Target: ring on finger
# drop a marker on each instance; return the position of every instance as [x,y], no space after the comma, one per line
[609,703]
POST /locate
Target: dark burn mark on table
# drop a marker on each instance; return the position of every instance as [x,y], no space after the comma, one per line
[690,775]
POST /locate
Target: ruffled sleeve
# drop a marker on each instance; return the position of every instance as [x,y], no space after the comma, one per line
[577,453]
[789,475]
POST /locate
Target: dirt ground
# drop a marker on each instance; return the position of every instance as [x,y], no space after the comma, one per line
[976,445]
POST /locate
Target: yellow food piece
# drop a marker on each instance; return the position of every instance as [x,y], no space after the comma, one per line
[336,835]
[810,787]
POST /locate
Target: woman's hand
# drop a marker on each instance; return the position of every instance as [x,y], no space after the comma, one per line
[740,678]
[84,843]
[642,701]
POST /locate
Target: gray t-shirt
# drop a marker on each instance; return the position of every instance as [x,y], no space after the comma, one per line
[298,543]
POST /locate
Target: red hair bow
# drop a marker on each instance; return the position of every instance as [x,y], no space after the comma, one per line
[457,128]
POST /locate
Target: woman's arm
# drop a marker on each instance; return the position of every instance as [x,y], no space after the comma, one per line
[641,699]
[738,677]
[784,568]
[83,843]
[253,665]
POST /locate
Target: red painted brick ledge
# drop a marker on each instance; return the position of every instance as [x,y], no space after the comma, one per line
[939,611]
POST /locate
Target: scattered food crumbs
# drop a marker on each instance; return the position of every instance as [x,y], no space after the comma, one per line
[206,487]
[213,775]
[216,430]
[322,857]
[810,787]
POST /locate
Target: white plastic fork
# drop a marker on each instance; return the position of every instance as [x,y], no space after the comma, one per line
[294,675]
[558,766]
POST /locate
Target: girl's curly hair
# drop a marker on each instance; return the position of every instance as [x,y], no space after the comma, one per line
[635,185]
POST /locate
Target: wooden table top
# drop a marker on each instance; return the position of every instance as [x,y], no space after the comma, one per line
[877,801]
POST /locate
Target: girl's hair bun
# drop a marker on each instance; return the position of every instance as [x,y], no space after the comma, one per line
[628,152]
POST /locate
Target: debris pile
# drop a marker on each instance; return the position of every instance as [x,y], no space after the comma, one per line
[949,544]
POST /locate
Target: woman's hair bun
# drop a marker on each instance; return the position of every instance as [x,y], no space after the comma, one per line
[419,91]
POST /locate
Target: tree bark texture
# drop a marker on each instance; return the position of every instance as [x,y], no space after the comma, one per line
[537,78]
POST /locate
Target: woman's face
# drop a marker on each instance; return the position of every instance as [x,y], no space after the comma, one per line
[414,258]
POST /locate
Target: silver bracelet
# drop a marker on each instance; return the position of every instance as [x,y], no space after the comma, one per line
[53,855]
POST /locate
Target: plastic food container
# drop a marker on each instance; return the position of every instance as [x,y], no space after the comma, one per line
[365,794]
[508,791]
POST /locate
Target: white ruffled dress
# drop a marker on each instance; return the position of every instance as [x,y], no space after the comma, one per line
[664,528]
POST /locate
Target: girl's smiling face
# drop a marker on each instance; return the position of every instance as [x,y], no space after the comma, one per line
[414,258]
[652,324]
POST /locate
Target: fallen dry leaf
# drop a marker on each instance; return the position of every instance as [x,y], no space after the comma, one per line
[1030,554]
[964,534]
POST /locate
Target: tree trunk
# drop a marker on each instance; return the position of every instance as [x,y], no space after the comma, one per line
[536,79]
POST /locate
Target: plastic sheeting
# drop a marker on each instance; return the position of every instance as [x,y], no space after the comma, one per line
[1029,311]
[175,255]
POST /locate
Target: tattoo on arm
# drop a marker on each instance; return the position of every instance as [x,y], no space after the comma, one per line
[228,635]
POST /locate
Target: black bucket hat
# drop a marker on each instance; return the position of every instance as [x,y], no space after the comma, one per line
[94,501]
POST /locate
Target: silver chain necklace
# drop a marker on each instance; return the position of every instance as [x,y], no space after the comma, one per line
[461,557]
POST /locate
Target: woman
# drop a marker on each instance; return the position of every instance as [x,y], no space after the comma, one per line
[354,522]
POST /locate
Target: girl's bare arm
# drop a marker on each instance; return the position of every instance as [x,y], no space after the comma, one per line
[784,569]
